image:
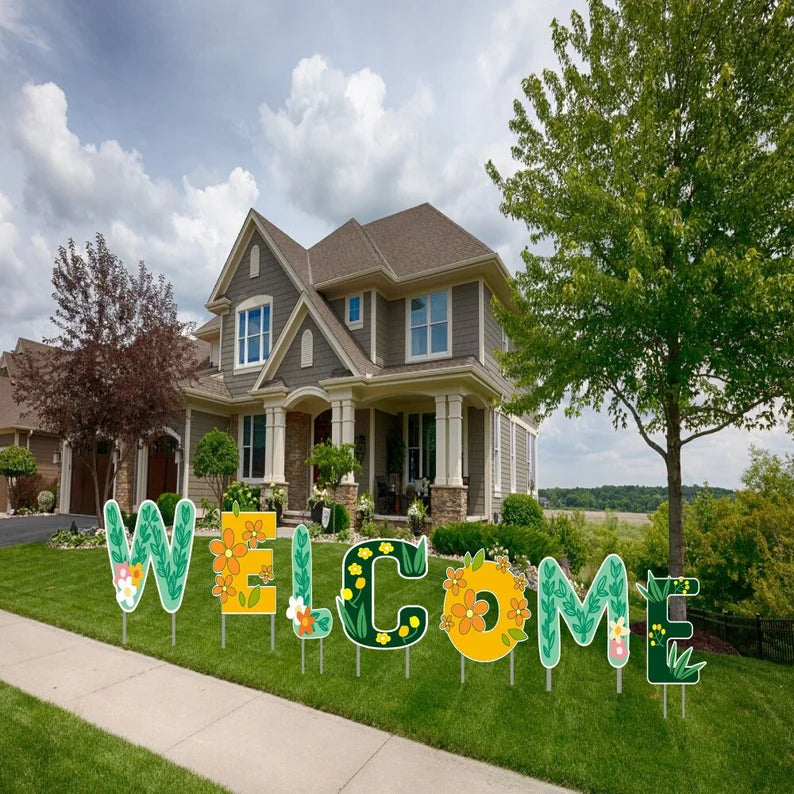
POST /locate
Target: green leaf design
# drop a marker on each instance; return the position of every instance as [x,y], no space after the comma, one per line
[241,598]
[236,509]
[466,559]
[643,592]
[479,559]
[362,622]
[253,599]
[518,635]
[506,640]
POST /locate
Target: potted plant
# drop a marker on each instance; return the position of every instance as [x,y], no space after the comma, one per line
[274,498]
[319,499]
[416,516]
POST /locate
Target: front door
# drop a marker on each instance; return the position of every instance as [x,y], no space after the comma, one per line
[162,472]
[322,433]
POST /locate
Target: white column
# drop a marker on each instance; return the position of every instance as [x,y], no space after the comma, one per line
[454,439]
[279,444]
[336,422]
[269,439]
[371,446]
[65,493]
[185,455]
[488,442]
[441,440]
[348,431]
[141,474]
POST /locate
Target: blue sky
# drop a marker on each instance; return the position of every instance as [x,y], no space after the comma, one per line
[160,124]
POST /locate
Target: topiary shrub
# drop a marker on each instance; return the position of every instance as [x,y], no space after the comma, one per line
[45,501]
[166,503]
[523,510]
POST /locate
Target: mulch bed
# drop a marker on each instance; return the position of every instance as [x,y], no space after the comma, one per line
[700,641]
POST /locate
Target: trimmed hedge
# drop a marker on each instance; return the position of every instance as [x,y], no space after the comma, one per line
[522,509]
[166,502]
[520,541]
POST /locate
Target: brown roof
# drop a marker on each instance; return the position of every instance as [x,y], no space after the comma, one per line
[210,383]
[345,251]
[294,253]
[11,412]
[212,325]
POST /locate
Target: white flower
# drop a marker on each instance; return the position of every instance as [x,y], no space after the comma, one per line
[617,629]
[126,593]
[295,606]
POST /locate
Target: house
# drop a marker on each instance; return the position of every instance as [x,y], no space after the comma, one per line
[380,335]
[22,428]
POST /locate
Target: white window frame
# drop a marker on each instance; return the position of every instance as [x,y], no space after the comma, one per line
[532,452]
[354,324]
[428,356]
[256,302]
[497,452]
[246,476]
[512,457]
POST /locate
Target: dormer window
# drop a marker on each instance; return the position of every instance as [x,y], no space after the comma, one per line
[354,312]
[429,326]
[254,331]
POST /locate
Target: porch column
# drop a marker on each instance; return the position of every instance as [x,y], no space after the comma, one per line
[336,422]
[279,419]
[348,431]
[441,440]
[454,439]
[269,437]
[186,455]
[65,491]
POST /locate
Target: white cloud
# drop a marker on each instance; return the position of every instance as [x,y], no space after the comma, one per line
[9,238]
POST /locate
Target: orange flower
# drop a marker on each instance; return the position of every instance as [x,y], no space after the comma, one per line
[253,533]
[226,552]
[136,572]
[520,582]
[519,611]
[223,588]
[305,621]
[503,563]
[267,572]
[470,612]
[446,623]
[454,580]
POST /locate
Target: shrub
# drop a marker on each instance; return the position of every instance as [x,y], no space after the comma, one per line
[339,520]
[365,508]
[522,509]
[246,497]
[216,460]
[369,529]
[45,501]
[65,538]
[315,530]
[570,538]
[166,503]
[333,462]
[28,490]
[653,553]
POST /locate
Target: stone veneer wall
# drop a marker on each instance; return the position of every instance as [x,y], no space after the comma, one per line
[346,495]
[448,504]
[125,481]
[297,450]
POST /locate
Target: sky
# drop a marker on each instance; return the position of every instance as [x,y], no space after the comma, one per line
[160,124]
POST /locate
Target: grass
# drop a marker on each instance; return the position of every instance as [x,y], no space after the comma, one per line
[736,735]
[44,749]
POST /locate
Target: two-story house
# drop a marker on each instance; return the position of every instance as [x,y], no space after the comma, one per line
[380,335]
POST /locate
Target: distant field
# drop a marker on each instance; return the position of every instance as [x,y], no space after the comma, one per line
[598,516]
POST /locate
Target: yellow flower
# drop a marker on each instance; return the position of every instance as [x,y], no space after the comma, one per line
[414,621]
[355,569]
[360,582]
[653,642]
[386,548]
[403,632]
[347,594]
[383,638]
[365,553]
[650,634]
[664,631]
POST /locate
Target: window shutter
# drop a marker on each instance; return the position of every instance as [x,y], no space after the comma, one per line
[307,349]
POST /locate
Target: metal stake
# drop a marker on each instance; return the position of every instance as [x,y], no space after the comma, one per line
[173,628]
[223,630]
[321,655]
[358,661]
[548,679]
[620,680]
[462,669]
[272,632]
[683,701]
[408,662]
[664,688]
[123,627]
[303,656]
[512,669]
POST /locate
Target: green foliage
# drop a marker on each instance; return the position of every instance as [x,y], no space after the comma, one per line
[17,462]
[653,553]
[215,460]
[339,520]
[45,501]
[333,462]
[83,539]
[769,474]
[245,496]
[369,529]
[569,536]
[522,509]
[519,541]
[655,164]
[166,503]
[621,498]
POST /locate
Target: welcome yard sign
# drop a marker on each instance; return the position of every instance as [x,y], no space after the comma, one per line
[244,584]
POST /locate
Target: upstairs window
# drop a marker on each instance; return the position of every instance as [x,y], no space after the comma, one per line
[428,325]
[354,312]
[254,327]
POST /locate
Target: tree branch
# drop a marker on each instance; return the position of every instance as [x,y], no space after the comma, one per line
[729,421]
[633,411]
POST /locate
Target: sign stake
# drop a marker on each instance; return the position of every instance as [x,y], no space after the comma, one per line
[303,656]
[408,661]
[548,679]
[512,669]
[462,669]
[683,701]
[321,655]
[223,630]
[272,632]
[620,680]
[123,627]
[358,661]
[664,699]
[173,628]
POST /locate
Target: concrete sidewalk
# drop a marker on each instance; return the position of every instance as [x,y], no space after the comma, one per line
[241,738]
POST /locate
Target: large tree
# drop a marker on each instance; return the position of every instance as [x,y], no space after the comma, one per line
[119,359]
[656,165]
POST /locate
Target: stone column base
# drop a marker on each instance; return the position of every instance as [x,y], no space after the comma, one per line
[448,504]
[346,494]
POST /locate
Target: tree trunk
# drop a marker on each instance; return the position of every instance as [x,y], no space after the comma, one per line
[675,517]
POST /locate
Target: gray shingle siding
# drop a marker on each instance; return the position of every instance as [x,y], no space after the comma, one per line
[465,319]
[361,335]
[476,446]
[382,329]
[272,280]
[325,360]
[200,424]
[394,352]
[521,460]
[493,333]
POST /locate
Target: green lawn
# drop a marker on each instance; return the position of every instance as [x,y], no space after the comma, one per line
[737,734]
[46,749]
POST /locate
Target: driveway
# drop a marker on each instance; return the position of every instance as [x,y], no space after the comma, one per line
[29,529]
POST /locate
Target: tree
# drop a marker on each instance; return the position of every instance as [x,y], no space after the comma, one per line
[333,463]
[215,460]
[119,361]
[658,162]
[16,462]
